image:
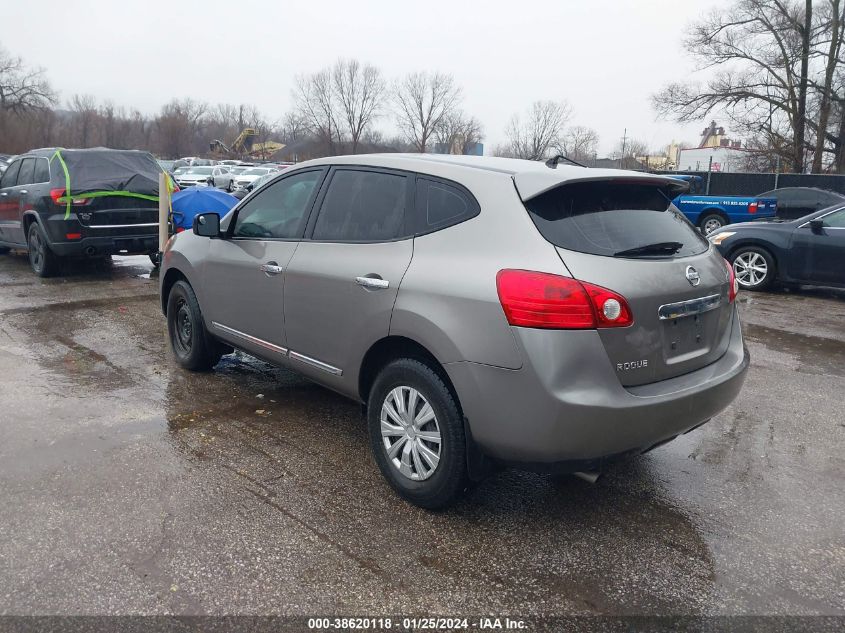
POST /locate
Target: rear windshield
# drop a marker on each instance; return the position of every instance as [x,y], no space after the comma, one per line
[612,218]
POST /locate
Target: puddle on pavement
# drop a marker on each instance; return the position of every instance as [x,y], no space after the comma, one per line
[811,354]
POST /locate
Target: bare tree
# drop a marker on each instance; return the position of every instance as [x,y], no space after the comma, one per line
[359,90]
[314,97]
[22,88]
[579,143]
[85,120]
[533,135]
[292,128]
[628,151]
[827,89]
[423,100]
[775,58]
[459,133]
[178,126]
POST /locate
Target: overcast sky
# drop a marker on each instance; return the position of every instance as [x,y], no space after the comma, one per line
[604,57]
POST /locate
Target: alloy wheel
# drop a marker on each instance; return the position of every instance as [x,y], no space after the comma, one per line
[36,250]
[750,269]
[410,433]
[713,224]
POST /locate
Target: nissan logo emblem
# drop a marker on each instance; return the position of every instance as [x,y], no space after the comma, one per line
[692,276]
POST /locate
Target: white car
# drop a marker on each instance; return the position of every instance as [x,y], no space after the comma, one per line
[250,175]
[217,176]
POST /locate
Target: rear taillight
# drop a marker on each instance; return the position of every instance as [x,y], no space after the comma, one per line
[733,284]
[752,207]
[542,300]
[58,198]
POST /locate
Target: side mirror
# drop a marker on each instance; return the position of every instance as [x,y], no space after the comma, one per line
[207,225]
[210,181]
[816,225]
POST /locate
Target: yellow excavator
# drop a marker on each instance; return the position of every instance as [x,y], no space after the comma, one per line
[244,146]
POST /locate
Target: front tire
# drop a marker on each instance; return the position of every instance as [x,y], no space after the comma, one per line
[4,250]
[754,268]
[417,434]
[189,340]
[44,262]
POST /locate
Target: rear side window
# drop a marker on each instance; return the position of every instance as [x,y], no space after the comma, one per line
[10,178]
[27,172]
[363,206]
[610,218]
[835,219]
[42,170]
[441,204]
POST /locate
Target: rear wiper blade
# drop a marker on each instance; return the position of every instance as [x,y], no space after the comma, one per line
[658,248]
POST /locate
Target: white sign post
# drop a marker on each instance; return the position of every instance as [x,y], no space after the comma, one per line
[163,209]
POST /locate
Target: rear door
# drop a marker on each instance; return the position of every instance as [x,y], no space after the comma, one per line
[627,237]
[10,203]
[243,277]
[341,283]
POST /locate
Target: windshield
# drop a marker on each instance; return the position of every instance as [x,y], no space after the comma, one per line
[255,172]
[615,219]
[201,171]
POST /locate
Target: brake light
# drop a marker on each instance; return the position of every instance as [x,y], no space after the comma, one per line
[58,194]
[543,300]
[752,207]
[733,288]
[73,236]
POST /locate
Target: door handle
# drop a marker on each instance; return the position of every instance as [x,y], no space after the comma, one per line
[23,191]
[4,194]
[270,268]
[376,283]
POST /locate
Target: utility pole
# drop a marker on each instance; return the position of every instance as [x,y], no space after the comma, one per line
[624,141]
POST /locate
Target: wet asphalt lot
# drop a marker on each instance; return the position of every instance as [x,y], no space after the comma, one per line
[128,485]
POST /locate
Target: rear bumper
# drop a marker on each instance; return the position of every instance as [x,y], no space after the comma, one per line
[128,239]
[96,246]
[565,409]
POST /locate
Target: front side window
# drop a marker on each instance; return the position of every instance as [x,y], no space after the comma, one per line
[10,178]
[27,172]
[615,219]
[278,210]
[362,206]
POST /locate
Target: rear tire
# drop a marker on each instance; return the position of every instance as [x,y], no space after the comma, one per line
[191,345]
[711,222]
[754,268]
[423,453]
[44,262]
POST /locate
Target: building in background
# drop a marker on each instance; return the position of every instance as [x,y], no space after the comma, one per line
[726,154]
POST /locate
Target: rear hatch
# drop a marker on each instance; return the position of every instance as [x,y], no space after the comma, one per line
[106,188]
[625,235]
[117,212]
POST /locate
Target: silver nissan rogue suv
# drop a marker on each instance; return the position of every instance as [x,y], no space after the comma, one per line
[485,310]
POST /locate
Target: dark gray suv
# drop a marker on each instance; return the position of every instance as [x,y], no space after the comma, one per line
[486,311]
[58,203]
